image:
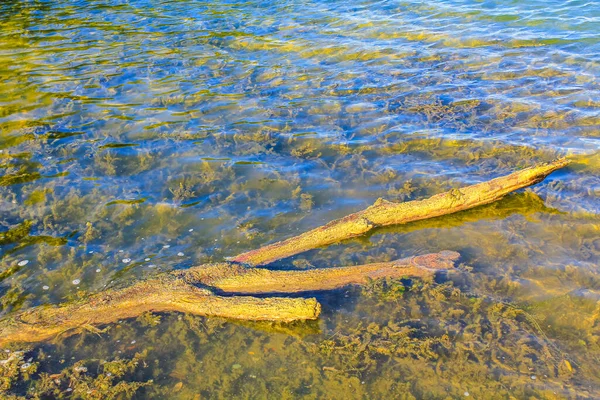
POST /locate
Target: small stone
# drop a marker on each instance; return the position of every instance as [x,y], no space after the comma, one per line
[180,254]
[151,266]
[76,281]
[45,287]
[23,263]
[126,260]
[533,377]
[166,246]
[98,269]
[191,230]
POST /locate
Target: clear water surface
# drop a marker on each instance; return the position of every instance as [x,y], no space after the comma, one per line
[145,136]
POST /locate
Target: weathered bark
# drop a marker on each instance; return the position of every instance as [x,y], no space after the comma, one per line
[177,291]
[240,279]
[384,213]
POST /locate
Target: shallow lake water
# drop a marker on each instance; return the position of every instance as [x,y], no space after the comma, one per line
[145,136]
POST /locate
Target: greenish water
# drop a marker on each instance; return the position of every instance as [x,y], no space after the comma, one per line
[146,136]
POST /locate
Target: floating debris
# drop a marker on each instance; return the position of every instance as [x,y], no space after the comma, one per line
[23,263]
[166,246]
[180,254]
[191,230]
[45,287]
[76,281]
[126,260]
[147,259]
[98,269]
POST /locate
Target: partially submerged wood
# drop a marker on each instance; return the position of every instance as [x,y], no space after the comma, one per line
[166,293]
[176,291]
[200,290]
[240,279]
[384,213]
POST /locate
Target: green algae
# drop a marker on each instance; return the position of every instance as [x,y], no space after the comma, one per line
[297,106]
[86,379]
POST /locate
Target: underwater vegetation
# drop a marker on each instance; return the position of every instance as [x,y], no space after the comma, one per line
[139,139]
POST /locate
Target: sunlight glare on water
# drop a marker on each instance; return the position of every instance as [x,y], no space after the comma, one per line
[145,136]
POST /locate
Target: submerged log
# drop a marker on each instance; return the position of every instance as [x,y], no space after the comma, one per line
[207,290]
[384,213]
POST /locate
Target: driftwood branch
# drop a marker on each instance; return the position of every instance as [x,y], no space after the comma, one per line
[208,289]
[176,291]
[384,213]
[243,280]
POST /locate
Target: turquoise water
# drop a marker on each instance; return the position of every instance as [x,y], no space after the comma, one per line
[146,136]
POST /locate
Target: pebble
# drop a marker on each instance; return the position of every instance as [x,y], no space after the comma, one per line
[166,246]
[98,270]
[151,266]
[23,263]
[126,260]
[180,254]
[76,281]
[533,377]
[45,287]
[191,230]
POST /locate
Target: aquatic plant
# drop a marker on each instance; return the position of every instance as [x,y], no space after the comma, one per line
[178,291]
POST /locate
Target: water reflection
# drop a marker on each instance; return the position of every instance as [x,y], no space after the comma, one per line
[144,130]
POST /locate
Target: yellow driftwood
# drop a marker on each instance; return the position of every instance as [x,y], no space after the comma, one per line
[384,213]
[240,279]
[175,291]
[178,290]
